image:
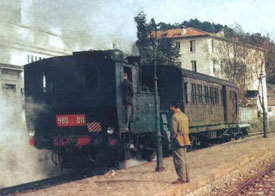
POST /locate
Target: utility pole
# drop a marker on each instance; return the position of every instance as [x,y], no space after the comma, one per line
[159,166]
[262,102]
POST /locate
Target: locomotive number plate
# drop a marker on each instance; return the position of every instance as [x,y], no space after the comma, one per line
[70,120]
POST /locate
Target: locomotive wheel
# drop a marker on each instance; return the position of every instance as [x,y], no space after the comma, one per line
[148,155]
[148,150]
[102,157]
[72,158]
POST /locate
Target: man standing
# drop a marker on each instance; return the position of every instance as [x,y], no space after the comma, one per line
[180,140]
[128,93]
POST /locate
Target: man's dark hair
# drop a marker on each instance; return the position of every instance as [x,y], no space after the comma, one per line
[176,105]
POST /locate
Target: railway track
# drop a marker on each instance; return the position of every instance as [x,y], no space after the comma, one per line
[45,183]
[263,183]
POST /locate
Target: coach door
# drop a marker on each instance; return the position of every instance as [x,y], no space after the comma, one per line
[224,101]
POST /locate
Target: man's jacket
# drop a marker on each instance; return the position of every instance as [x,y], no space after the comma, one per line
[128,91]
[180,125]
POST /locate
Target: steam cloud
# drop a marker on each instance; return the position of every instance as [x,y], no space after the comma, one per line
[98,23]
[19,162]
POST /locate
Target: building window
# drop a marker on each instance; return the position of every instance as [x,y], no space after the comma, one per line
[194,66]
[212,45]
[9,88]
[214,67]
[192,45]
[32,58]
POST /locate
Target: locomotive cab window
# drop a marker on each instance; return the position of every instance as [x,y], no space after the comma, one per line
[46,82]
[128,71]
[90,78]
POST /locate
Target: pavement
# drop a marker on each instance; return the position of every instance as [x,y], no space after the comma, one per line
[207,166]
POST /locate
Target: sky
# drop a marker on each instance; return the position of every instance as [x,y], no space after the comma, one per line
[107,21]
[252,15]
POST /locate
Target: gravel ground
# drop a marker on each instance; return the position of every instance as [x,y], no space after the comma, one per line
[143,180]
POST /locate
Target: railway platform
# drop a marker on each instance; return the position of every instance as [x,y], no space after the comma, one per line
[208,167]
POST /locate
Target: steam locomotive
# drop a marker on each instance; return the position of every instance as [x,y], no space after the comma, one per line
[74,107]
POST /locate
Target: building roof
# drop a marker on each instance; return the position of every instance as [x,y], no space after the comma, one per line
[11,67]
[180,33]
[190,32]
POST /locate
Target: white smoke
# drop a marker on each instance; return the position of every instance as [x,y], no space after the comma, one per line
[133,162]
[19,162]
[97,24]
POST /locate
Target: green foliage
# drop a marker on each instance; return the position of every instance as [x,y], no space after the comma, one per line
[166,52]
[143,43]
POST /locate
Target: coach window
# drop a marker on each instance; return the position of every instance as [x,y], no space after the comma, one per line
[221,93]
[185,92]
[216,96]
[200,93]
[90,78]
[194,93]
[231,96]
[206,95]
[211,95]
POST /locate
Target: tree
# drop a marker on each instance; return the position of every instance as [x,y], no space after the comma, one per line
[239,63]
[166,51]
[143,43]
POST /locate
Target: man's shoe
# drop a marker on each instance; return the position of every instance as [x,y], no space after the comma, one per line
[178,181]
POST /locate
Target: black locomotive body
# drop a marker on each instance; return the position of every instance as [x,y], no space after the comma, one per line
[74,106]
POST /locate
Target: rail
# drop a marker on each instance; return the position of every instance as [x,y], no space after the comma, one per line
[258,184]
[53,181]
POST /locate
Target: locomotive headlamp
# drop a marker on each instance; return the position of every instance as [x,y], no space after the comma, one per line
[110,130]
[31,133]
